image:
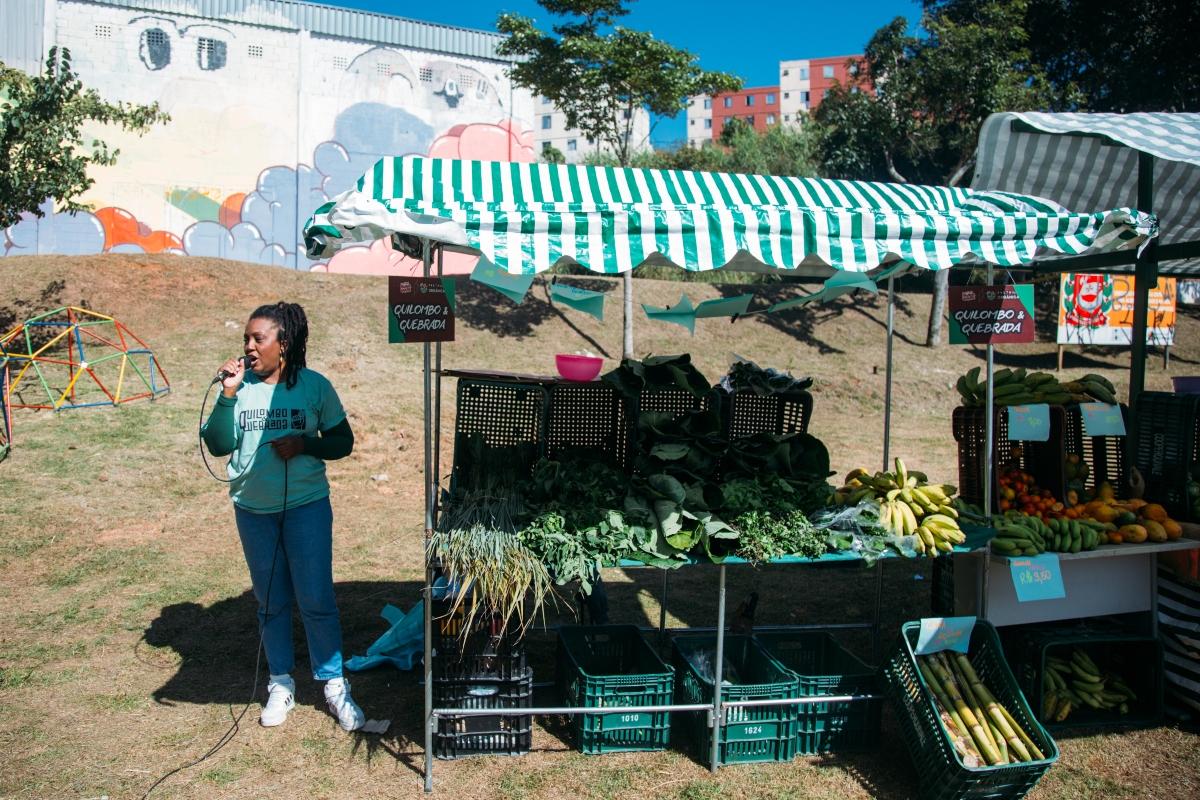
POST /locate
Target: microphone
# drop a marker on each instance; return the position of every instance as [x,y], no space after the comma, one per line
[222,374]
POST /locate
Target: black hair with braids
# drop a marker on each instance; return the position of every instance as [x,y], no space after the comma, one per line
[292,335]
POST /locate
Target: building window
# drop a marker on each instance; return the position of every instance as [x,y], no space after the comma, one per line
[785,73]
[804,73]
[546,122]
[383,68]
[787,117]
[255,51]
[154,49]
[691,122]
[749,99]
[625,113]
[545,101]
[424,73]
[853,68]
[707,124]
[102,31]
[827,71]
[750,119]
[729,102]
[340,63]
[708,102]
[211,53]
[770,98]
[853,90]
[546,147]
[770,119]
[786,95]
[571,147]
[804,98]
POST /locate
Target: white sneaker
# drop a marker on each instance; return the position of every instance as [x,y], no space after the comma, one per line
[342,706]
[281,698]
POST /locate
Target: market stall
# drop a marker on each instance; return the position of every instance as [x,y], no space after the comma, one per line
[524,218]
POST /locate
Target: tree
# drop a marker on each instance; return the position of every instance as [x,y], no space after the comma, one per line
[600,75]
[42,149]
[932,92]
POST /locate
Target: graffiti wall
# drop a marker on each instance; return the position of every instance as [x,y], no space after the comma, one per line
[267,124]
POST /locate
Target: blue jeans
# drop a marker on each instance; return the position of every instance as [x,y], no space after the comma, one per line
[304,573]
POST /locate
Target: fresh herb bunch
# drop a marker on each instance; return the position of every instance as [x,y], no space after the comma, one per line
[763,536]
[490,571]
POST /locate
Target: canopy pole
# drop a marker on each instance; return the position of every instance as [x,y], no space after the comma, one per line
[430,720]
[1145,279]
[988,452]
[718,669]
[887,391]
[437,413]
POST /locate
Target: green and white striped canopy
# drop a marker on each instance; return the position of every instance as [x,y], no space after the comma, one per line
[527,217]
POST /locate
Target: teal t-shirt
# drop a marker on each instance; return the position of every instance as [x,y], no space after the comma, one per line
[262,412]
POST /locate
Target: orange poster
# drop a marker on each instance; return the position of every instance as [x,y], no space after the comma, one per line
[1098,309]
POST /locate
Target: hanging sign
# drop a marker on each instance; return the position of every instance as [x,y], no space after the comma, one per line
[1098,309]
[420,309]
[991,314]
[1029,423]
[1037,577]
[1102,419]
[944,633]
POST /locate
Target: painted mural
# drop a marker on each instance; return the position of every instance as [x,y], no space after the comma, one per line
[376,103]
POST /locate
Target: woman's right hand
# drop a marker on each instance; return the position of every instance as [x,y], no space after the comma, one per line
[234,371]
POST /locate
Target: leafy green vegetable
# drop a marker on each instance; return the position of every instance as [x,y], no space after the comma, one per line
[763,536]
[655,374]
[747,376]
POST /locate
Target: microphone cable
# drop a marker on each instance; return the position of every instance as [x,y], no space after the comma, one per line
[231,733]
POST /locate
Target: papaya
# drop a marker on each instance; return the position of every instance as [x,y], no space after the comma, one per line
[1136,503]
[1155,532]
[1126,518]
[1154,512]
[1133,534]
[1114,537]
[1174,531]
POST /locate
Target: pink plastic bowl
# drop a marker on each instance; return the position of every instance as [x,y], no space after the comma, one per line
[578,368]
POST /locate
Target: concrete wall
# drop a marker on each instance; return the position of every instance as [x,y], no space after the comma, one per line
[267,123]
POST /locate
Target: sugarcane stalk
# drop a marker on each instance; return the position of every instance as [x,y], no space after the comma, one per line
[943,700]
[1033,748]
[951,689]
[993,709]
[1002,746]
[977,707]
[959,738]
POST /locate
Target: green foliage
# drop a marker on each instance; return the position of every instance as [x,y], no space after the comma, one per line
[763,535]
[42,148]
[931,94]
[599,74]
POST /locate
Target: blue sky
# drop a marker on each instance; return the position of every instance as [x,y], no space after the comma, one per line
[750,45]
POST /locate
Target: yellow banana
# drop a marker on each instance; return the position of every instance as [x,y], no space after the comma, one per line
[935,493]
[908,517]
[948,510]
[885,516]
[901,472]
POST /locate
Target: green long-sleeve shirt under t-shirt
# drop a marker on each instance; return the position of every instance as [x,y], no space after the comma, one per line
[262,412]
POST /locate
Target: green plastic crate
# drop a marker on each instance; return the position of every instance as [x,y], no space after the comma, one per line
[1137,658]
[941,775]
[823,667]
[752,734]
[613,665]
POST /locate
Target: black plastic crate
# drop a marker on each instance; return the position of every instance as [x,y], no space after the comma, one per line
[1105,455]
[824,667]
[499,430]
[613,665]
[747,413]
[1137,659]
[1043,460]
[1165,443]
[461,736]
[589,420]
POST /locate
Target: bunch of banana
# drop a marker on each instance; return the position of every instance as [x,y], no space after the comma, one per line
[1091,386]
[1076,682]
[1014,387]
[908,506]
[1019,534]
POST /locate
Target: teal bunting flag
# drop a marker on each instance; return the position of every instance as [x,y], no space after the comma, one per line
[514,287]
[841,283]
[685,314]
[583,300]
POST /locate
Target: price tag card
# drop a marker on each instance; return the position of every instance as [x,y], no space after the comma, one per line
[1029,423]
[1037,577]
[1102,419]
[944,633]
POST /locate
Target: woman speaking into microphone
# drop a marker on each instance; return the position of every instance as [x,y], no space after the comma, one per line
[281,422]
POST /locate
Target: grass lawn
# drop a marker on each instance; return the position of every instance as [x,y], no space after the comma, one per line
[126,623]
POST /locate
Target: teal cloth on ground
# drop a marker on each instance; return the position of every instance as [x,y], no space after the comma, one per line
[841,283]
[685,314]
[584,300]
[514,287]
[402,644]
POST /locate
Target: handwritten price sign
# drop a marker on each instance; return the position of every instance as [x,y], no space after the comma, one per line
[1037,578]
[944,633]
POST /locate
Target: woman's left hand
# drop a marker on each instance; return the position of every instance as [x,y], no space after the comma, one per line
[288,446]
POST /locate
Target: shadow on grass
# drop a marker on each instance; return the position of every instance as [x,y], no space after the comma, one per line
[482,308]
